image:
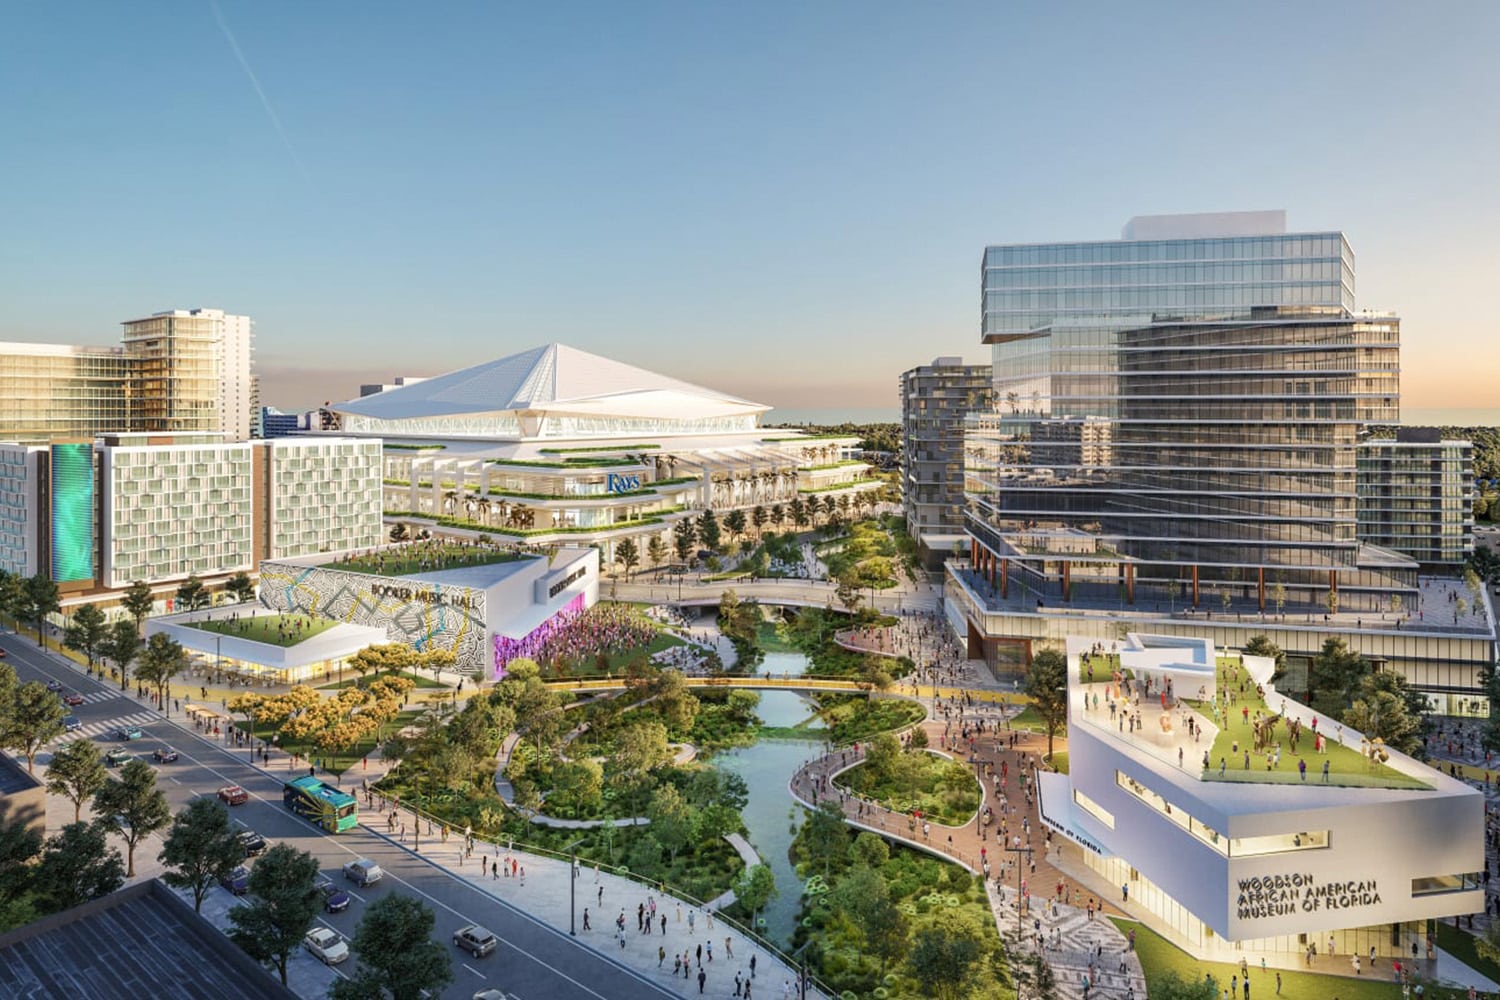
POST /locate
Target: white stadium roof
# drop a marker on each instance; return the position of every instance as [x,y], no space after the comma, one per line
[552,380]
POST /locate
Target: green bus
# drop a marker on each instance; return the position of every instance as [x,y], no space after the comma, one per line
[328,807]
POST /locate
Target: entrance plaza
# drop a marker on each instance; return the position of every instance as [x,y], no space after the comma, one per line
[1256,856]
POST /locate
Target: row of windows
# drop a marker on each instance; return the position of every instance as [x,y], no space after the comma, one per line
[1236,847]
[1125,275]
[1226,248]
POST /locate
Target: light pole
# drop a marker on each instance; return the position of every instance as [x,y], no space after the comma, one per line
[1018,851]
[573,886]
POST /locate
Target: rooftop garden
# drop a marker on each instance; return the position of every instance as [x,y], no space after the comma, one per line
[425,557]
[274,630]
[601,447]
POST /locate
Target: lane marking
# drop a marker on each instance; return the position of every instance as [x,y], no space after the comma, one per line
[471,968]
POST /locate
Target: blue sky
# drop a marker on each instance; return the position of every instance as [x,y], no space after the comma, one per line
[784,200]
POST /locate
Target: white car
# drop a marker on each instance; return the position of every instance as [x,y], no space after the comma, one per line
[327,945]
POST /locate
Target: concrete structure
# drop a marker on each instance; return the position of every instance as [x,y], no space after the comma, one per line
[477,612]
[23,797]
[555,445]
[311,660]
[182,371]
[1255,865]
[1174,439]
[97,516]
[935,399]
[1416,498]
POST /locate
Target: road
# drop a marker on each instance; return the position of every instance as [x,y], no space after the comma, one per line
[534,962]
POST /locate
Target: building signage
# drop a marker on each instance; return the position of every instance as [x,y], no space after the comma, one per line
[616,483]
[425,595]
[1285,895]
[567,581]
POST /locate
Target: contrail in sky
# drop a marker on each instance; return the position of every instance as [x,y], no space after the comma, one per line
[265,102]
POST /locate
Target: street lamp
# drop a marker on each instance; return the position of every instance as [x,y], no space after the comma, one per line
[573,886]
[1019,851]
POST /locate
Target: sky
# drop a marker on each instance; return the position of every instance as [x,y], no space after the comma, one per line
[786,201]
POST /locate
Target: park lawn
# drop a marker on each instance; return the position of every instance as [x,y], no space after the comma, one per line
[1059,761]
[263,628]
[453,557]
[351,679]
[337,763]
[944,791]
[1460,944]
[1158,956]
[1347,766]
[1029,720]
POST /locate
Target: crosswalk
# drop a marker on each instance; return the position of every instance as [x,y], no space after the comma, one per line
[108,727]
[95,697]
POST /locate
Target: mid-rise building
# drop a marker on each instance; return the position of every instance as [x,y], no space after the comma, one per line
[97,516]
[935,399]
[1415,496]
[185,371]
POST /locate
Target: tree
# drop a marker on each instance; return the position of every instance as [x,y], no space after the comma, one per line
[39,598]
[138,601]
[1488,943]
[77,773]
[671,819]
[284,903]
[734,521]
[396,952]
[122,645]
[19,845]
[132,807]
[36,720]
[869,849]
[241,586]
[1278,595]
[10,595]
[864,894]
[161,660]
[192,595]
[825,836]
[399,533]
[1171,986]
[1047,686]
[1333,676]
[846,588]
[78,865]
[708,531]
[641,748]
[1035,975]
[1385,706]
[943,959]
[200,848]
[1262,646]
[755,887]
[656,551]
[627,555]
[86,632]
[684,537]
[758,517]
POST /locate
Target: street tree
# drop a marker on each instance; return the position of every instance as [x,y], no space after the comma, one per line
[76,772]
[86,632]
[10,596]
[138,601]
[284,903]
[39,598]
[161,660]
[200,848]
[77,865]
[36,720]
[656,551]
[1047,686]
[398,956]
[121,646]
[8,686]
[241,586]
[132,807]
[628,555]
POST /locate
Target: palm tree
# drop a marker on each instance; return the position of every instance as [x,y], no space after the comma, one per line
[450,501]
[486,506]
[844,501]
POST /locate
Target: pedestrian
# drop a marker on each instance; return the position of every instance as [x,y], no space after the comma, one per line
[1278,982]
[700,956]
[661,955]
[737,984]
[752,966]
[586,919]
[690,921]
[702,978]
[601,896]
[728,948]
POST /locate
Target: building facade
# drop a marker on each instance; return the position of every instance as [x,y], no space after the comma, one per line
[1415,496]
[97,516]
[184,371]
[935,399]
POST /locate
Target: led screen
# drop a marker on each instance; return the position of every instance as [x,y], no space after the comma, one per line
[72,512]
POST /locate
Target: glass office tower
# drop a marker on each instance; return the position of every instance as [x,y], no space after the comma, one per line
[1176,418]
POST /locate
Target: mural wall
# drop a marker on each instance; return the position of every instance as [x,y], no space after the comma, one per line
[424,615]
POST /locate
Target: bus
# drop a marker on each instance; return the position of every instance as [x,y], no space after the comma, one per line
[328,807]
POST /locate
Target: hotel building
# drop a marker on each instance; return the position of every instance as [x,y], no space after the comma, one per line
[97,516]
[1179,443]
[556,445]
[183,371]
[935,400]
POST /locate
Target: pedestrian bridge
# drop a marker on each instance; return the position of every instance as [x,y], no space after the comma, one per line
[790,683]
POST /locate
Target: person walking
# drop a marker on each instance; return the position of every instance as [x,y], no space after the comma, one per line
[702,978]
[586,919]
[661,955]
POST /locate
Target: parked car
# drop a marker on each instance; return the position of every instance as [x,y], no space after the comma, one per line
[252,842]
[233,795]
[72,698]
[130,733]
[164,755]
[362,872]
[327,945]
[237,881]
[71,723]
[475,940]
[335,900]
[117,756]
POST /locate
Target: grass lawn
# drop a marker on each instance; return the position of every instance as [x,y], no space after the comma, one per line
[1029,719]
[427,557]
[1059,761]
[341,762]
[265,628]
[1158,956]
[351,678]
[1347,766]
[1460,944]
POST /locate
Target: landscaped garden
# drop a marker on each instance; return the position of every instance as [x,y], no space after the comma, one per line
[274,630]
[429,556]
[913,781]
[335,732]
[852,718]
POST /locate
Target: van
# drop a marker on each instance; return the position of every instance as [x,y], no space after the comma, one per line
[363,872]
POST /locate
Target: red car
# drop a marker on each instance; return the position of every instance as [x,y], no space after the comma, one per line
[233,795]
[73,698]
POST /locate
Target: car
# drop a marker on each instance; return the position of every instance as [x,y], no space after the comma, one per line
[54,686]
[2,654]
[237,881]
[335,900]
[493,995]
[252,842]
[475,940]
[233,795]
[164,755]
[117,756]
[72,698]
[327,945]
[70,723]
[362,872]
[129,733]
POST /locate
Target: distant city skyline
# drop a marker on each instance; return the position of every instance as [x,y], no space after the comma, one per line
[786,203]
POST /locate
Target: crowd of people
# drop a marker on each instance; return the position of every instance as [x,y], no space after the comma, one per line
[578,635]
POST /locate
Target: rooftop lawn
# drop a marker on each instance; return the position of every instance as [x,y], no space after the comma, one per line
[1347,767]
[425,557]
[1158,956]
[268,628]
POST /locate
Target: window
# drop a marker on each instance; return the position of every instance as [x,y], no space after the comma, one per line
[1094,809]
[1435,884]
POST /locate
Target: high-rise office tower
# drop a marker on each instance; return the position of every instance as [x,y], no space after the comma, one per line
[192,372]
[935,399]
